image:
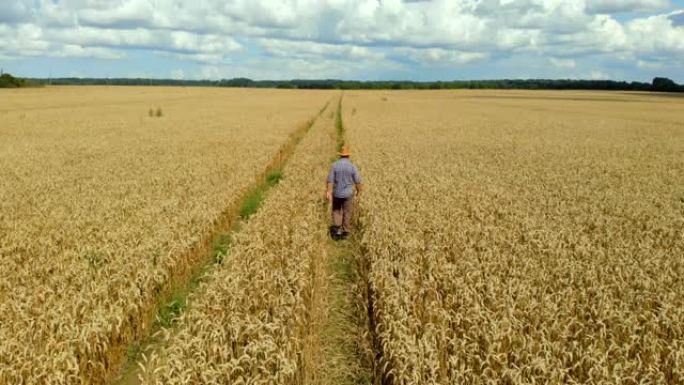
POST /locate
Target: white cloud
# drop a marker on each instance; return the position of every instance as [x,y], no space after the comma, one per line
[438,33]
[439,56]
[312,50]
[71,50]
[619,6]
[28,40]
[293,68]
[132,13]
[563,63]
[176,41]
[13,12]
[656,34]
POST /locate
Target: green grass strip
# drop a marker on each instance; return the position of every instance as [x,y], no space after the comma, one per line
[339,126]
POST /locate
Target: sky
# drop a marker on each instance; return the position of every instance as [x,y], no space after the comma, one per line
[418,40]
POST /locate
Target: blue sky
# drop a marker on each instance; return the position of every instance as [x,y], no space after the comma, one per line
[344,39]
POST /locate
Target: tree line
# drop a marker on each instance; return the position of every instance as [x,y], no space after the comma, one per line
[9,81]
[659,84]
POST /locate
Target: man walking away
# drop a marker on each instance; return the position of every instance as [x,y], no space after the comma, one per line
[342,179]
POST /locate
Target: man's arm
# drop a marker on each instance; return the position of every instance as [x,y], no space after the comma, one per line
[358,182]
[329,184]
[328,191]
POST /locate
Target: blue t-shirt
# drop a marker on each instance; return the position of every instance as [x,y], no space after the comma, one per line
[343,175]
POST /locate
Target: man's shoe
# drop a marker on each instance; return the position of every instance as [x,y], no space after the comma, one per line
[335,232]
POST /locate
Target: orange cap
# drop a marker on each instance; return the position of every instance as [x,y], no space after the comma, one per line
[344,151]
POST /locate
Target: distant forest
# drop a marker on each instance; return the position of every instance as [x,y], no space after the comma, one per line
[658,84]
[9,81]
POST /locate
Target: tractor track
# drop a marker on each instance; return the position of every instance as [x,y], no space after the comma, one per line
[347,336]
[343,347]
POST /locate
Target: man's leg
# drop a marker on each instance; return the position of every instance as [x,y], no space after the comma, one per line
[337,214]
[347,209]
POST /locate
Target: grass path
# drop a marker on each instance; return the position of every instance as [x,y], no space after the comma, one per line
[341,332]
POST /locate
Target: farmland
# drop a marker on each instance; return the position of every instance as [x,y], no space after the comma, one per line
[503,237]
[104,205]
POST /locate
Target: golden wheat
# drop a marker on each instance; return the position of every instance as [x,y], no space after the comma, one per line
[519,237]
[102,205]
[511,237]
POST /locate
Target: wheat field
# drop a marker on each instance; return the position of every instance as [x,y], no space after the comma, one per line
[523,237]
[103,203]
[503,237]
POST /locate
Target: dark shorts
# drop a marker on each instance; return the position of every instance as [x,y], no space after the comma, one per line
[339,203]
[342,212]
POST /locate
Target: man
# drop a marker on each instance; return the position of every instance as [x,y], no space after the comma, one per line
[342,179]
